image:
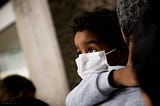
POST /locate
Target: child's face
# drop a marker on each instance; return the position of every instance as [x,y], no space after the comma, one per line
[87,42]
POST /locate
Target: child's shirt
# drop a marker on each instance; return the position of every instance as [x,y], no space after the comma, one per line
[95,90]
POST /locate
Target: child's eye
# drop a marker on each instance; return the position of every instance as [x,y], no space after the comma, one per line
[79,52]
[90,50]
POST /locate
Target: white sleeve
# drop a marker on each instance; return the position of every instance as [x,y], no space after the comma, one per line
[93,89]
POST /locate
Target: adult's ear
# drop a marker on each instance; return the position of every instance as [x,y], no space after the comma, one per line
[123,35]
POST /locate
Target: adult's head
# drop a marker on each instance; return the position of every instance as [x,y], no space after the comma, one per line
[15,86]
[99,30]
[128,12]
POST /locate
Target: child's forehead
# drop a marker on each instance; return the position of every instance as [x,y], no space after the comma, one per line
[85,36]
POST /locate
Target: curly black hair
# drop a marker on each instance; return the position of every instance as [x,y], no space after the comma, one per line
[103,23]
[128,12]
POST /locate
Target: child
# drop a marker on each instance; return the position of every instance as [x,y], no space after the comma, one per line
[101,49]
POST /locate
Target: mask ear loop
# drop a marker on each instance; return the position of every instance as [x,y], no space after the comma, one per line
[111,51]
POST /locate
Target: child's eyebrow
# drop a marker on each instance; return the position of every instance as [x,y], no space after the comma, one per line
[91,42]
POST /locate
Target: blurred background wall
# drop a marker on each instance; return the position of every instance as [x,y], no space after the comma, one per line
[36,42]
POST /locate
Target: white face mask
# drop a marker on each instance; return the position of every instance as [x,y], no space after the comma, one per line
[92,62]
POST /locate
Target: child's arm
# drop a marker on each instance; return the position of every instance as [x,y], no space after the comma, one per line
[96,88]
[93,89]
